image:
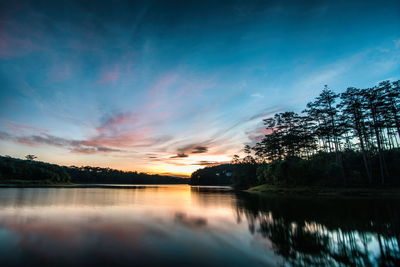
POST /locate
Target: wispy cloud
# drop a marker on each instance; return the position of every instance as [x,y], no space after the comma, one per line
[179,155]
[193,148]
[138,86]
[19,128]
[208,163]
[257,95]
[199,149]
[18,39]
[257,134]
[397,43]
[77,146]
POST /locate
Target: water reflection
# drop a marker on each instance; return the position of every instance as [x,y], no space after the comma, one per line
[191,222]
[326,232]
[196,226]
[151,226]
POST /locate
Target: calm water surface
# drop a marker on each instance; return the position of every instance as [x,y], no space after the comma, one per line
[179,225]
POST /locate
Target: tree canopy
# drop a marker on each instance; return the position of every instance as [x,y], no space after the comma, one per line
[348,138]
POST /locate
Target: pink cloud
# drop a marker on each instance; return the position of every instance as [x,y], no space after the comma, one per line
[17,39]
[60,72]
[113,73]
[117,120]
[18,128]
[158,91]
[120,119]
[109,76]
[124,130]
[77,146]
[11,47]
[258,133]
[118,139]
[116,133]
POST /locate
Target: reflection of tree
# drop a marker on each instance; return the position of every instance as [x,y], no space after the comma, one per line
[326,232]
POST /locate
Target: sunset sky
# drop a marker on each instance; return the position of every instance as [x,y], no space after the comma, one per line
[171,86]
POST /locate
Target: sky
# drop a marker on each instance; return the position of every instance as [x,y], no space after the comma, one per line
[173,86]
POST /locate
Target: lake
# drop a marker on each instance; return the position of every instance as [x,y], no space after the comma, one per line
[179,225]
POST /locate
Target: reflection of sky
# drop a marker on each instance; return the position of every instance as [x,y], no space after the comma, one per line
[166,87]
[168,225]
[165,224]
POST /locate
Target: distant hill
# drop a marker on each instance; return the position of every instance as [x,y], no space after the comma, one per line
[30,170]
[88,174]
[12,169]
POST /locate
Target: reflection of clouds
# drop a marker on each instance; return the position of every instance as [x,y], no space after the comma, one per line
[91,242]
[150,226]
[86,197]
[194,222]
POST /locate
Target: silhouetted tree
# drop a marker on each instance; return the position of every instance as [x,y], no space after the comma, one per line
[30,157]
[352,137]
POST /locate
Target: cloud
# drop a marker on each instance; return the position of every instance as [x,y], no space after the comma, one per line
[199,149]
[397,43]
[22,128]
[193,149]
[223,141]
[124,130]
[5,136]
[115,72]
[109,76]
[17,39]
[257,134]
[204,163]
[76,146]
[209,163]
[264,113]
[109,122]
[257,95]
[179,155]
[92,150]
[175,174]
[61,71]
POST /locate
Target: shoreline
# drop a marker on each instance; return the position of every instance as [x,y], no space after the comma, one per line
[319,191]
[265,189]
[72,185]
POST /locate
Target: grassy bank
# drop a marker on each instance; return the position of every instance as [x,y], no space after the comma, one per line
[326,191]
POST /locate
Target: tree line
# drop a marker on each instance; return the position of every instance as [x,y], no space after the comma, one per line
[12,170]
[215,175]
[338,139]
[88,174]
[31,171]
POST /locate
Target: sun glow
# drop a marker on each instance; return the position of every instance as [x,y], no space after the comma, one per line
[186,166]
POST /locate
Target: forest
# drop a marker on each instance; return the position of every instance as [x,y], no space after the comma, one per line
[14,170]
[346,139]
[216,175]
[31,171]
[88,174]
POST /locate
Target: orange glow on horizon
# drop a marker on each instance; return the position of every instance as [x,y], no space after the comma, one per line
[164,165]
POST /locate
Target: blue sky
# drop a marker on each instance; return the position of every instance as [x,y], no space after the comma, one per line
[169,86]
